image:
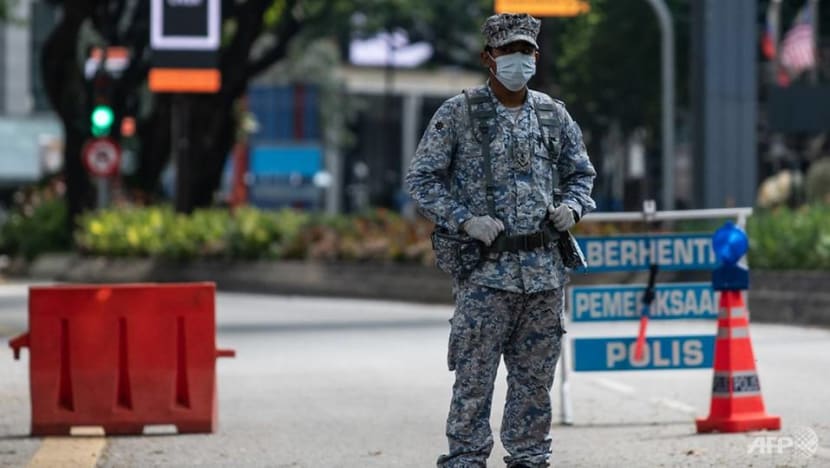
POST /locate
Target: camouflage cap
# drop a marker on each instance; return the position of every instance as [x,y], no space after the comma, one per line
[505,28]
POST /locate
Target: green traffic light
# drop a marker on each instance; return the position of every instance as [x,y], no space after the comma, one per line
[102,119]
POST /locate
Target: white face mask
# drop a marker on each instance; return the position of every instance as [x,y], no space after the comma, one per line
[514,70]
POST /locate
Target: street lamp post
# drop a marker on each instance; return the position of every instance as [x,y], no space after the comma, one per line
[667,49]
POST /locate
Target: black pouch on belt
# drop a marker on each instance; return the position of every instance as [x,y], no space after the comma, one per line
[455,254]
[570,252]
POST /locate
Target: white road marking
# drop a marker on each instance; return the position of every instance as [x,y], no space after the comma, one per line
[615,386]
[674,404]
[14,290]
[620,387]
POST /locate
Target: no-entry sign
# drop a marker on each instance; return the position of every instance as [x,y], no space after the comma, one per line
[102,157]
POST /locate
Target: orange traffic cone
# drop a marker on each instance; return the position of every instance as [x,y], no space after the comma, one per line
[737,405]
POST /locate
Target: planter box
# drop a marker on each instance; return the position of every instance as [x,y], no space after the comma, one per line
[801,297]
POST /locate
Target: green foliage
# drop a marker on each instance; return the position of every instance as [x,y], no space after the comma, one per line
[7,10]
[790,239]
[608,63]
[252,234]
[212,233]
[273,13]
[779,239]
[37,224]
[452,27]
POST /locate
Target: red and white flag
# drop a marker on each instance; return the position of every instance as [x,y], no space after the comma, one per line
[798,52]
[767,44]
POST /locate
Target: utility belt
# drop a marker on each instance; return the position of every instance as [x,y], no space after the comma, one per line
[548,238]
[523,242]
[459,254]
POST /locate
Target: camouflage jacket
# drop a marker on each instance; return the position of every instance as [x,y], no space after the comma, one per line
[447,182]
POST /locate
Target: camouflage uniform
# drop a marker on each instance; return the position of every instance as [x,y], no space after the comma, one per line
[512,304]
[524,328]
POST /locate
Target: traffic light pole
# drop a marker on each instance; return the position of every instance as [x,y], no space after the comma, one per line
[103,187]
[180,120]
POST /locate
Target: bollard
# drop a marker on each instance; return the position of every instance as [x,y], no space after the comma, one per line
[122,357]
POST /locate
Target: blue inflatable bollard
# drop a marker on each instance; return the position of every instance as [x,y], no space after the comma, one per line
[730,244]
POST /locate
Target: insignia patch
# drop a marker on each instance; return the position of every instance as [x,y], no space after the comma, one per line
[521,153]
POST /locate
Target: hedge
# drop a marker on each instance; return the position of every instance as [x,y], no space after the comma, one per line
[249,233]
[779,239]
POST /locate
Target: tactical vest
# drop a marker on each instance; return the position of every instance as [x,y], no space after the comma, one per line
[482,114]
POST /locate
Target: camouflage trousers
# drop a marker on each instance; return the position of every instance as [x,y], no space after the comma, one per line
[527,330]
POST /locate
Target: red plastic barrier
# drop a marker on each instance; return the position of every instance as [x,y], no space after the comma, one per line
[122,357]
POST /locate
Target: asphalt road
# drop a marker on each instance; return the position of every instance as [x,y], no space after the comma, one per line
[348,383]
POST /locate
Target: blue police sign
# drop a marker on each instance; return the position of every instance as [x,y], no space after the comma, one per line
[635,252]
[660,353]
[624,302]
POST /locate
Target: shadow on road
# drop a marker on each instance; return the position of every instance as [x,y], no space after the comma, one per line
[16,437]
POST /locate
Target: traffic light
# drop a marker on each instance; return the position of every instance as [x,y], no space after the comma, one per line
[101,112]
[102,118]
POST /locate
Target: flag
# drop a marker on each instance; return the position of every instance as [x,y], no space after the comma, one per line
[767,45]
[798,51]
[782,78]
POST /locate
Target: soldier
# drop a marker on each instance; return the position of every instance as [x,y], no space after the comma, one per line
[504,167]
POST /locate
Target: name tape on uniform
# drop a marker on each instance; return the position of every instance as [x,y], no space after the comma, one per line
[660,353]
[624,302]
[634,252]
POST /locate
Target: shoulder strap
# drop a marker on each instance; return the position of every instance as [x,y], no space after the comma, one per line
[482,113]
[546,115]
[545,107]
[480,109]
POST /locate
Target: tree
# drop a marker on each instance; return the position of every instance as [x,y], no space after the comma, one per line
[5,7]
[606,67]
[256,34]
[210,126]
[608,63]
